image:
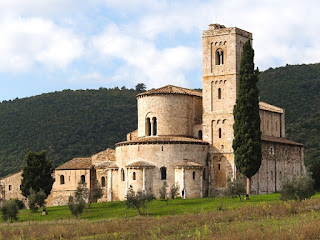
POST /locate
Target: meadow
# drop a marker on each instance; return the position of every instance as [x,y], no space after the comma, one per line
[261,217]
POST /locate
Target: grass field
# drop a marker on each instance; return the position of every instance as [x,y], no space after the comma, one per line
[263,216]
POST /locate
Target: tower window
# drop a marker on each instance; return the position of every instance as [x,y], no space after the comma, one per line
[122,175]
[154,122]
[219,93]
[193,175]
[163,171]
[200,134]
[219,57]
[62,179]
[148,127]
[103,182]
[134,175]
[220,133]
[83,179]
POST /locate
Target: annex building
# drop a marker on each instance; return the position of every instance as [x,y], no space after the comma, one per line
[184,137]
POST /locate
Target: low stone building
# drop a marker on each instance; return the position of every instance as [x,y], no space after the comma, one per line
[184,137]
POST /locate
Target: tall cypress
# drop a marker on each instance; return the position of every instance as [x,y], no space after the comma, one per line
[247,134]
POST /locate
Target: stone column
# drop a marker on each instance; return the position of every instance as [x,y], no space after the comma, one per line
[201,183]
[182,183]
[109,189]
[143,179]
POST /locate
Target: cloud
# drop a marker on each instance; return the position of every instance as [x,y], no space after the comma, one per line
[143,61]
[26,42]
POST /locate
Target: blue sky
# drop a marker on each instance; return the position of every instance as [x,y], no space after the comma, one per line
[52,45]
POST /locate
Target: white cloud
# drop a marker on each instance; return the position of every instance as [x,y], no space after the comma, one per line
[25,42]
[143,61]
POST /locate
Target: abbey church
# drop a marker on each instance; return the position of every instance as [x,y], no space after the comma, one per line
[184,138]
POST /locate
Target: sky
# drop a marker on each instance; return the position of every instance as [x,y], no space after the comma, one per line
[51,45]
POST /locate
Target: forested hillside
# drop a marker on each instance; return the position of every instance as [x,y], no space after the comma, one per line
[297,90]
[66,124]
[70,124]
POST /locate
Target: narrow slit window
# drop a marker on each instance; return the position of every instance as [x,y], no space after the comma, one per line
[220,133]
[200,134]
[154,122]
[193,175]
[219,93]
[103,182]
[83,179]
[134,175]
[62,179]
[122,175]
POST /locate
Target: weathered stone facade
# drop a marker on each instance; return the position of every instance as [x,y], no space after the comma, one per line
[10,187]
[184,137]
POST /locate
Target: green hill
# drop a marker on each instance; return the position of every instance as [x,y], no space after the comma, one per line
[297,90]
[66,124]
[71,124]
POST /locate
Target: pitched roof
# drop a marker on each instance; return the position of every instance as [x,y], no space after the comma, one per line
[170,89]
[189,165]
[140,164]
[106,155]
[163,140]
[279,140]
[76,163]
[271,108]
[107,164]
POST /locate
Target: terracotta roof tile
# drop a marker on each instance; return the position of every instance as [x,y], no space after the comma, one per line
[271,108]
[76,163]
[189,164]
[163,140]
[170,89]
[140,164]
[279,140]
[107,164]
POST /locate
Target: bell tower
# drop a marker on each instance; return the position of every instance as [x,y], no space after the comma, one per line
[222,49]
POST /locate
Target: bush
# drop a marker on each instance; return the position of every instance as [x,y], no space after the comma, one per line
[77,203]
[299,188]
[36,200]
[235,188]
[19,203]
[174,190]
[10,210]
[139,200]
[163,191]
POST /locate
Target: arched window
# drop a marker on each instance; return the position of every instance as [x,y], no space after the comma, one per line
[134,175]
[10,187]
[220,133]
[83,179]
[219,57]
[148,127]
[163,171]
[62,179]
[193,175]
[103,181]
[154,122]
[219,165]
[219,93]
[200,134]
[122,175]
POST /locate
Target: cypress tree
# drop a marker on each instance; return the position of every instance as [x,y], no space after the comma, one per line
[247,134]
[37,174]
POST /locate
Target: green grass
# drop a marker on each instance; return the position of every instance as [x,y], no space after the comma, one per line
[157,208]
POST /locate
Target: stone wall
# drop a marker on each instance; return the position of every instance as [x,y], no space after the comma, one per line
[11,187]
[160,155]
[176,114]
[278,160]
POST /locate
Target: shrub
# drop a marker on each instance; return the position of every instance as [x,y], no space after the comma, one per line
[36,200]
[174,190]
[19,203]
[139,200]
[10,210]
[235,188]
[163,191]
[299,188]
[77,203]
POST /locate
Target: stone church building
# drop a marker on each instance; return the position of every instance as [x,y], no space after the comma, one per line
[184,137]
